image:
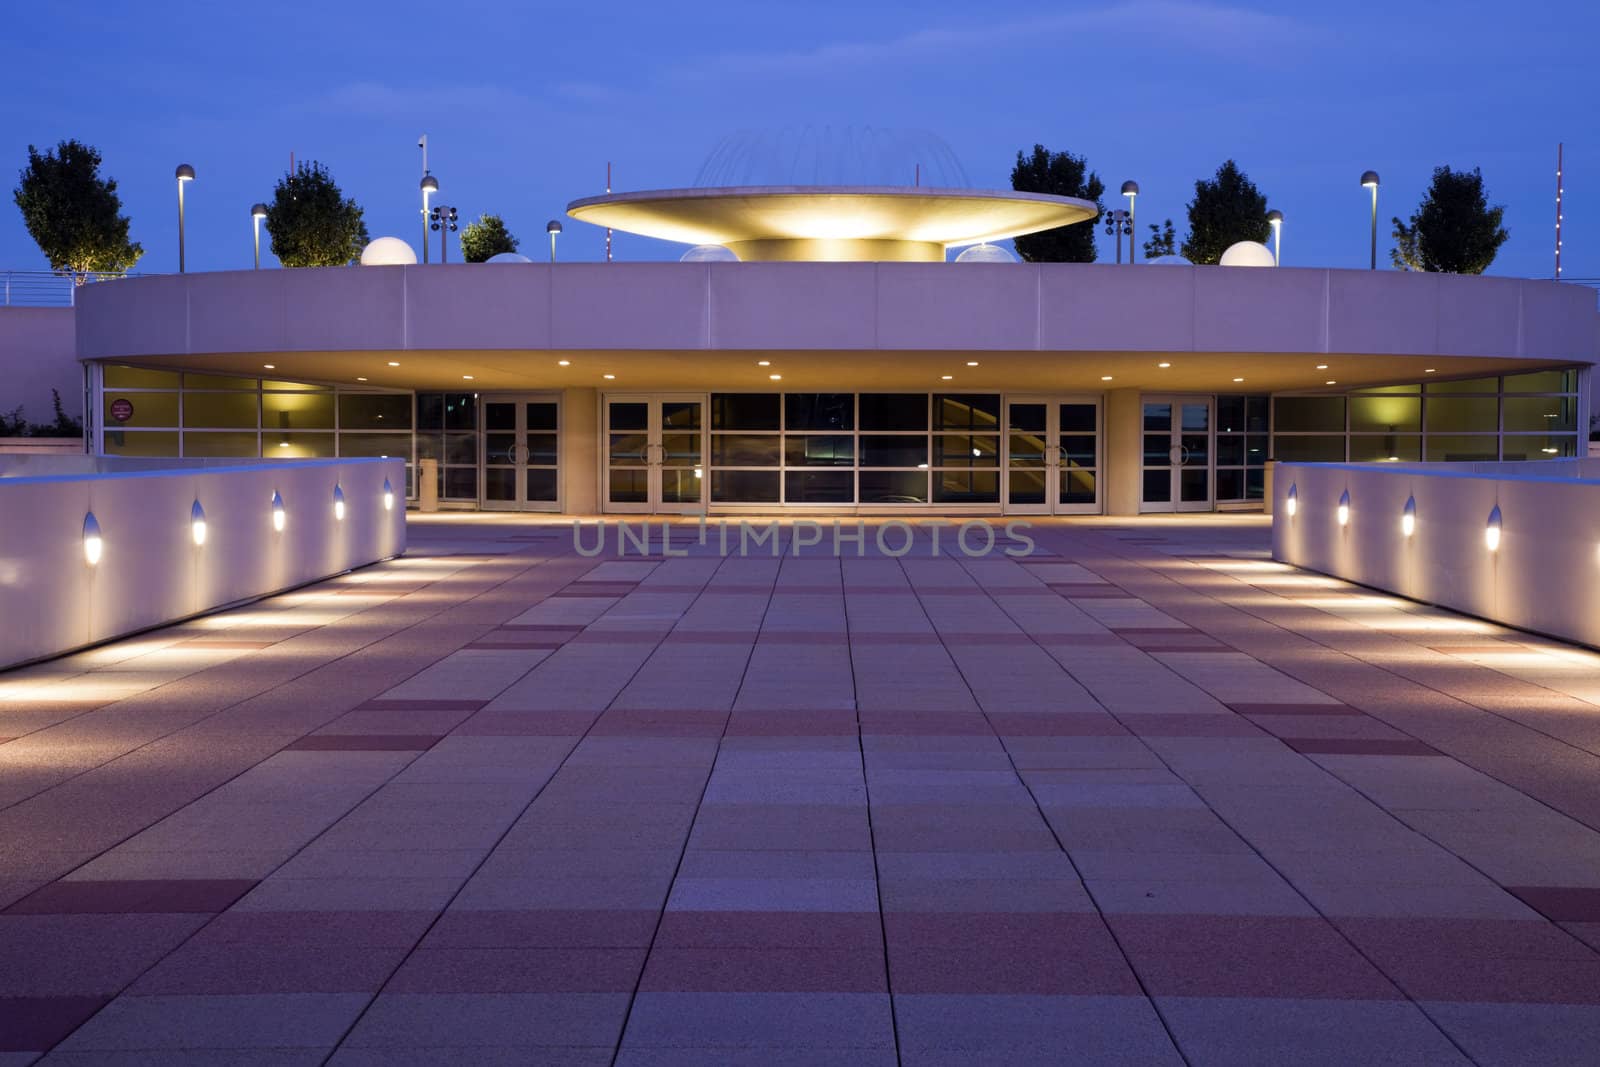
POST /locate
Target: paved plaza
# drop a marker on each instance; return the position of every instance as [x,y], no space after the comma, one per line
[1143,797]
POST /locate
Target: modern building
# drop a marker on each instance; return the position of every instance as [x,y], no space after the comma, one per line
[827,358]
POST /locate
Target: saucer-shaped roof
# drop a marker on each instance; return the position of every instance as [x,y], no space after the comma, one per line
[831,222]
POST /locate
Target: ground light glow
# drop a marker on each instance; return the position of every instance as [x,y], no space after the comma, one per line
[1344,508]
[93,544]
[1491,530]
[279,517]
[1408,517]
[388,496]
[1291,503]
[197,523]
[338,503]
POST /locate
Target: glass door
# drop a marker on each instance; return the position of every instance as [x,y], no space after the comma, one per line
[1052,455]
[518,452]
[1177,454]
[655,453]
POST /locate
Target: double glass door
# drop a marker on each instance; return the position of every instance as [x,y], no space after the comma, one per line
[520,448]
[1052,455]
[1177,472]
[655,453]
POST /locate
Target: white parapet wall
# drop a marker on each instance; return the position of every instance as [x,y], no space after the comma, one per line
[1539,571]
[150,569]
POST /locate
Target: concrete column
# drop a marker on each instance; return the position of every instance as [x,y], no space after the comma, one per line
[1123,465]
[580,451]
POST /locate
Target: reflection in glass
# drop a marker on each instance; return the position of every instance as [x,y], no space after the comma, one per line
[894,487]
[819,487]
[744,487]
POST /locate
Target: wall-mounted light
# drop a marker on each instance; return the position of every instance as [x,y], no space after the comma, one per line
[197,523]
[338,503]
[1408,517]
[1291,502]
[1491,530]
[93,545]
[279,517]
[1344,508]
[388,496]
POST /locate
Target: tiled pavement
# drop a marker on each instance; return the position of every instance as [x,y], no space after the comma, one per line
[1144,797]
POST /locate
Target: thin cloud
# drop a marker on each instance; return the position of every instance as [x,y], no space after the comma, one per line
[1211,28]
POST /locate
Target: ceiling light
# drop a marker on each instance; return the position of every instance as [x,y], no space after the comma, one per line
[608,377]
[946,377]
[392,363]
[270,366]
[360,379]
[1105,377]
[1330,381]
[466,377]
[972,363]
[1238,379]
[763,362]
[563,362]
[1428,371]
[1163,366]
[1322,366]
[776,377]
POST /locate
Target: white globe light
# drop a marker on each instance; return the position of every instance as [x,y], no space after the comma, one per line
[508,257]
[388,252]
[986,253]
[1247,254]
[708,254]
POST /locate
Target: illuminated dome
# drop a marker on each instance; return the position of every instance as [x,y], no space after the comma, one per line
[388,252]
[986,253]
[1247,254]
[1168,261]
[832,223]
[508,257]
[708,254]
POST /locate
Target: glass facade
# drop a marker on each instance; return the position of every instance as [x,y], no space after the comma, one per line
[1514,417]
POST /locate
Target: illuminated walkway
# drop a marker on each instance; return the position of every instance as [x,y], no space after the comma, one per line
[1141,798]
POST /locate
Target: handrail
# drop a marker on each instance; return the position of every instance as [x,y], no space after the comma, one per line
[46,288]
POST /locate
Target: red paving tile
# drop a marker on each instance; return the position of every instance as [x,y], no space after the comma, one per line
[573,845]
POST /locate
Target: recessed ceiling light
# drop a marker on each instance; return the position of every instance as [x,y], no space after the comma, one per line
[1163,366]
[608,377]
[776,377]
[1238,379]
[1105,377]
[1428,371]
[392,363]
[466,377]
[763,362]
[946,377]
[1322,366]
[360,379]
[563,362]
[972,363]
[270,366]
[1330,381]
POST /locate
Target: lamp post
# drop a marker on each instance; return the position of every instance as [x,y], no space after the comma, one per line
[1118,223]
[553,228]
[257,213]
[430,185]
[185,174]
[1131,191]
[443,219]
[1369,180]
[1276,219]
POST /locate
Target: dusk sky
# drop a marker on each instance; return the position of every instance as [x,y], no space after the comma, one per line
[524,104]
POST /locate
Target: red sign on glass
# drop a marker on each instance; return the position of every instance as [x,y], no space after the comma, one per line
[122,409]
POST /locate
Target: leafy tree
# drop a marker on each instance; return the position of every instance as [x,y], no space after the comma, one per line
[14,425]
[311,221]
[1454,230]
[1163,241]
[73,214]
[1060,174]
[1226,209]
[486,237]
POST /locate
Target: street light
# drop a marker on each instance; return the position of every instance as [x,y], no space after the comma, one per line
[1276,219]
[1118,223]
[553,228]
[185,173]
[443,219]
[257,213]
[430,185]
[1131,190]
[1369,180]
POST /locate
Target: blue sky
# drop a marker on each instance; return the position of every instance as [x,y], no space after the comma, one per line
[524,103]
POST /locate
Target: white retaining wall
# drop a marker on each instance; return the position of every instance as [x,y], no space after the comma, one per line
[1545,575]
[151,571]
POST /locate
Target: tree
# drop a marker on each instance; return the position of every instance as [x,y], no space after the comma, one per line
[1454,230]
[1226,209]
[1060,174]
[73,214]
[311,221]
[1163,241]
[486,237]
